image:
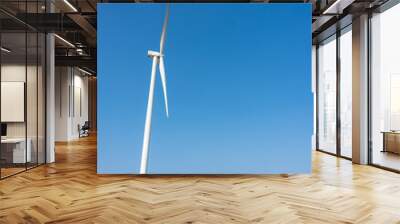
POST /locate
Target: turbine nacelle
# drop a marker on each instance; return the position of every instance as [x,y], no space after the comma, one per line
[152,54]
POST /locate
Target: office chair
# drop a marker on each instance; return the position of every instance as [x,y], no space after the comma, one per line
[84,130]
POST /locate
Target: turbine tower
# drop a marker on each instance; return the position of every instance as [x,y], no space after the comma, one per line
[158,59]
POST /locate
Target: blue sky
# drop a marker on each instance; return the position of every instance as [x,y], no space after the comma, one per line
[238,78]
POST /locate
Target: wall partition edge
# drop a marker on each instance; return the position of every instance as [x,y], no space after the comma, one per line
[369,77]
[0,93]
[382,8]
[26,87]
[37,90]
[338,123]
[44,76]
[337,34]
[45,89]
[50,99]
[317,120]
[317,97]
[37,95]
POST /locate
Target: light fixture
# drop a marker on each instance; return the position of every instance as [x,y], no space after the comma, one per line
[337,7]
[65,41]
[84,71]
[80,51]
[70,5]
[329,9]
[5,50]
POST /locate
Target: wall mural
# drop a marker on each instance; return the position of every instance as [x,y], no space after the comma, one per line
[239,88]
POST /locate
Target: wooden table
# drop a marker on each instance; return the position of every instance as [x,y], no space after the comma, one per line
[391,141]
[13,150]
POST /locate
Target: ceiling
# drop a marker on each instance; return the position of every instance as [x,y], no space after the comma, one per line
[75,22]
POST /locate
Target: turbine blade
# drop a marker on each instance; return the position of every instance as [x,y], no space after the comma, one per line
[164,83]
[164,30]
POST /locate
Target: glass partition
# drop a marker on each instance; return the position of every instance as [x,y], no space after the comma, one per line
[22,101]
[41,97]
[14,153]
[346,92]
[327,95]
[385,89]
[32,95]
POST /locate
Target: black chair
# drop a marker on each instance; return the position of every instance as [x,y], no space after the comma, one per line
[84,130]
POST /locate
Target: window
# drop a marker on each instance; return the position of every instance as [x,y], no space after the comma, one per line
[385,89]
[346,92]
[327,95]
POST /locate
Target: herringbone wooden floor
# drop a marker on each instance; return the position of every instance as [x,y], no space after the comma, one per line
[70,191]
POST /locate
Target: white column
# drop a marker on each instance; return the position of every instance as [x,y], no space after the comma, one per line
[360,90]
[50,99]
[63,103]
[50,92]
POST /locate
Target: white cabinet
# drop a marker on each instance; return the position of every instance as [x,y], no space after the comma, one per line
[19,154]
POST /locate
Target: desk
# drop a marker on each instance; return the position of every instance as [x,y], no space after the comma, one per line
[391,141]
[13,150]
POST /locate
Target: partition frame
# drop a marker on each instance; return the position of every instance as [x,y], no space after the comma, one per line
[382,8]
[387,5]
[338,152]
[44,95]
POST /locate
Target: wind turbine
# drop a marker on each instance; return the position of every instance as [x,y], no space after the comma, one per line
[158,59]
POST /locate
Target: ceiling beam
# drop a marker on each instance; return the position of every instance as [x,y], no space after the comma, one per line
[81,61]
[86,27]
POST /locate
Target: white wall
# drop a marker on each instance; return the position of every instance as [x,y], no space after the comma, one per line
[80,112]
[34,126]
[71,87]
[14,72]
[17,72]
[62,82]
